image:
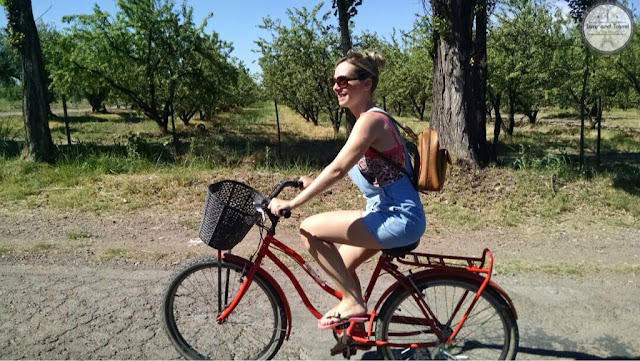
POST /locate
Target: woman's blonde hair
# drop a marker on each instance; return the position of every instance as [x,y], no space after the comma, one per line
[368,64]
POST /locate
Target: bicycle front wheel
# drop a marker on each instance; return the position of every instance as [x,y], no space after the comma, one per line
[489,333]
[254,330]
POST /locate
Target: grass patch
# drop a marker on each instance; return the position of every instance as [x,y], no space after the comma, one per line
[120,162]
[10,105]
[111,253]
[79,234]
[565,269]
[190,224]
[44,246]
[4,251]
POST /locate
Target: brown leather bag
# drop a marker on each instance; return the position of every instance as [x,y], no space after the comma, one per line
[431,173]
[429,161]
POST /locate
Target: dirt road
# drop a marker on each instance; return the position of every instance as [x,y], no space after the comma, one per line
[63,297]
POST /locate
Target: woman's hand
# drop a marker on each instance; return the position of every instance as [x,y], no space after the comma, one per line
[276,205]
[306,181]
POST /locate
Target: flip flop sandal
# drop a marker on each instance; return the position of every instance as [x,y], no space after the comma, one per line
[341,320]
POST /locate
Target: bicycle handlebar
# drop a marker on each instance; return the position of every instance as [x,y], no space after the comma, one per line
[285,184]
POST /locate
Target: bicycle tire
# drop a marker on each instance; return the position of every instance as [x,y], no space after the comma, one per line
[190,308]
[483,336]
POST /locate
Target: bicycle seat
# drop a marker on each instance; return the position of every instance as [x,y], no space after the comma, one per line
[400,251]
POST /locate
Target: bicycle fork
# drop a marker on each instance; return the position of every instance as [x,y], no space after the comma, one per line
[226,288]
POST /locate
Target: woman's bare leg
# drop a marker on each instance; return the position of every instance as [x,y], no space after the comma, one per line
[320,233]
[353,257]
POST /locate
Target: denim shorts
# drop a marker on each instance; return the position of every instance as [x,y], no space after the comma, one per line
[393,227]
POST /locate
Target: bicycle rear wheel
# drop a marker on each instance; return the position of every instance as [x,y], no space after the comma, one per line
[254,330]
[489,333]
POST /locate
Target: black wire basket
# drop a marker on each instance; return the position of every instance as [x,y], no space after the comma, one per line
[229,213]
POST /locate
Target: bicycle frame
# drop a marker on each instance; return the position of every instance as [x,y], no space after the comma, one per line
[430,264]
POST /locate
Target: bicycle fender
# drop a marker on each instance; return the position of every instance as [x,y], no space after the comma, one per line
[462,275]
[231,258]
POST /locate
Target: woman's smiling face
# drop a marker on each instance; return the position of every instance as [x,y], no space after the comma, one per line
[354,90]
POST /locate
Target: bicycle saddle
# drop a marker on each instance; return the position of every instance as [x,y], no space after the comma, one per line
[400,251]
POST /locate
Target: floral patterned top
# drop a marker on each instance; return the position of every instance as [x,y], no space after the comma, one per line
[378,171]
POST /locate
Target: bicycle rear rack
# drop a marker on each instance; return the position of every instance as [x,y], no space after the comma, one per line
[482,264]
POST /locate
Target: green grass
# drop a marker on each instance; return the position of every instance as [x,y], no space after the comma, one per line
[120,163]
[580,269]
[79,234]
[112,253]
[44,246]
[10,105]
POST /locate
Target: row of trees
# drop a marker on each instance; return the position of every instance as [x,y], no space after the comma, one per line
[149,54]
[299,58]
[533,58]
[463,60]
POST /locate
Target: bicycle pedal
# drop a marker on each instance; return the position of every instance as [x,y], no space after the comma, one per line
[338,348]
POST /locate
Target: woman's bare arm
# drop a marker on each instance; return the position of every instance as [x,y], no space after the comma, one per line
[366,130]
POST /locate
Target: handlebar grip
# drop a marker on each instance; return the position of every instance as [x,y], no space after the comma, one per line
[285,213]
[282,185]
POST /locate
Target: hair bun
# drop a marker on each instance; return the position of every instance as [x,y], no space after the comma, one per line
[375,57]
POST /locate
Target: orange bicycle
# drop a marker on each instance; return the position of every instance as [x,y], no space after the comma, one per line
[229,307]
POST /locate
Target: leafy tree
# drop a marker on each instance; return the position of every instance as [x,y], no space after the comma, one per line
[413,76]
[298,61]
[210,77]
[386,94]
[406,78]
[145,53]
[23,35]
[9,70]
[628,62]
[522,39]
[9,62]
[64,78]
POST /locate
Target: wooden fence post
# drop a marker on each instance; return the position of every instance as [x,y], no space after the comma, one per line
[275,102]
[66,119]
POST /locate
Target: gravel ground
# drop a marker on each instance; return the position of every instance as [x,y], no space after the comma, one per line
[68,298]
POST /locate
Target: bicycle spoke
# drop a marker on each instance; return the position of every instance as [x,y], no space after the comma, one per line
[253,329]
[482,336]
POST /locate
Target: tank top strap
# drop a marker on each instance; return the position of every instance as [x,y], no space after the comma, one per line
[387,120]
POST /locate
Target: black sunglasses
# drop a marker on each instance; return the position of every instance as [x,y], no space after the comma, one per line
[343,81]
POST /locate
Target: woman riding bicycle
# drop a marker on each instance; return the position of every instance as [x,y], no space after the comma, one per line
[393,217]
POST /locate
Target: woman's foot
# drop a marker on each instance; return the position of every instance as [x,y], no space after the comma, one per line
[343,312]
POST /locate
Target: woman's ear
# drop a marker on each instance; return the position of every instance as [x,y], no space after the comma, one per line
[368,83]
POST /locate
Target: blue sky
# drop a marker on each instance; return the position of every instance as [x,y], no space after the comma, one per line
[237,21]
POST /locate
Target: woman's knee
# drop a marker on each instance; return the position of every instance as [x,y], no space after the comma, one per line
[307,232]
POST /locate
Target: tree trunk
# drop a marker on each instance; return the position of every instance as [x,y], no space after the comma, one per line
[418,107]
[39,144]
[345,43]
[479,133]
[176,142]
[186,116]
[275,103]
[512,111]
[453,113]
[583,97]
[496,127]
[96,100]
[532,115]
[66,119]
